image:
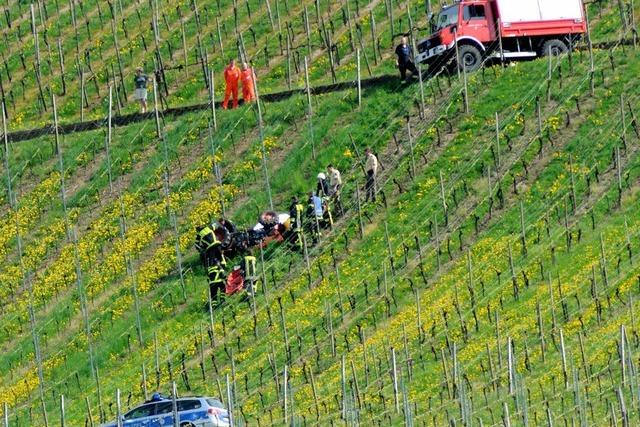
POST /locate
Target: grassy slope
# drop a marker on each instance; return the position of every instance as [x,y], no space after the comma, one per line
[386,313]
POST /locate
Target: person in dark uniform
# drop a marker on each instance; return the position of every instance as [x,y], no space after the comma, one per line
[405,59]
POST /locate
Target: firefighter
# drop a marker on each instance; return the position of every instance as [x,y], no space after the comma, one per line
[212,257]
[231,78]
[405,59]
[371,168]
[295,212]
[315,213]
[247,78]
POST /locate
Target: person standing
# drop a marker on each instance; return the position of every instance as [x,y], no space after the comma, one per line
[371,169]
[231,78]
[322,187]
[247,77]
[141,81]
[335,185]
[405,59]
[335,181]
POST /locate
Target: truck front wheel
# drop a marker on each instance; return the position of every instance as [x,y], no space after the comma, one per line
[469,58]
[553,47]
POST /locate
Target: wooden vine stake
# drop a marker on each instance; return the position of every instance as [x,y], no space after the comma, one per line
[62,414]
[118,409]
[359,78]
[170,212]
[265,169]
[310,106]
[36,46]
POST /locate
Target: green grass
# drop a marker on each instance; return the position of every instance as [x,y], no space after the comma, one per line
[476,286]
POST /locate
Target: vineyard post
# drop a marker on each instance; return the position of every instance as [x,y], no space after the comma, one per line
[262,146]
[5,414]
[343,388]
[285,400]
[212,100]
[61,63]
[510,364]
[505,415]
[623,120]
[270,15]
[623,369]
[619,176]
[391,21]
[540,331]
[523,230]
[118,409]
[539,115]
[394,376]
[563,354]
[307,30]
[216,168]
[359,209]
[288,62]
[61,166]
[89,414]
[573,184]
[592,69]
[184,48]
[350,27]
[623,15]
[219,36]
[170,212]
[211,328]
[437,236]
[130,271]
[623,407]
[82,297]
[62,417]
[315,393]
[359,78]
[114,33]
[603,262]
[36,46]
[413,159]
[444,200]
[373,36]
[82,93]
[145,392]
[174,404]
[108,140]
[310,106]
[101,413]
[497,141]
[229,402]
[466,89]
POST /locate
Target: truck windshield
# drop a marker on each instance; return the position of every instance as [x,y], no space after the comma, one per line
[448,16]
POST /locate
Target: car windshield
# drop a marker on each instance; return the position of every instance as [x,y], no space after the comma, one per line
[140,412]
[448,16]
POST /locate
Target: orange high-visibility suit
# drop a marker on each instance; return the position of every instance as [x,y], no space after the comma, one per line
[246,76]
[231,78]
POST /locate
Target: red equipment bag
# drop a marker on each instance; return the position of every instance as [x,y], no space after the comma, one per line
[235,282]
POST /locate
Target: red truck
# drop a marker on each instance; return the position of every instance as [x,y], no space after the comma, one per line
[504,29]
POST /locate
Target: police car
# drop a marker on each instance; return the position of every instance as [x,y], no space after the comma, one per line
[192,412]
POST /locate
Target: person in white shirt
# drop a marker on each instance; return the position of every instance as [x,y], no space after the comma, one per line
[335,180]
[371,169]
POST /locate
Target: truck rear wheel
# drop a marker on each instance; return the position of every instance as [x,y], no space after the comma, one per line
[553,47]
[469,58]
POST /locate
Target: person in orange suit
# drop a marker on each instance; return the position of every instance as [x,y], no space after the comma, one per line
[246,77]
[231,78]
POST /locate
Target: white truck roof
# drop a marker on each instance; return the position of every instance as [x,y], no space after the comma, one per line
[512,11]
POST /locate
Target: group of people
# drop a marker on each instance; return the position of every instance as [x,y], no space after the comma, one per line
[233,77]
[245,75]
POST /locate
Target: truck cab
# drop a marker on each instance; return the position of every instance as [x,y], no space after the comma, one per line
[471,22]
[479,29]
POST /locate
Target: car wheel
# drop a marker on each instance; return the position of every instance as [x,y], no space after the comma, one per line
[187,424]
[553,47]
[469,58]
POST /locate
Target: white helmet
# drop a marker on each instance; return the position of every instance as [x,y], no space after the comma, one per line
[322,176]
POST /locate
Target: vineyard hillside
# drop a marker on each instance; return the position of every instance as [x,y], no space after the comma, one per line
[492,282]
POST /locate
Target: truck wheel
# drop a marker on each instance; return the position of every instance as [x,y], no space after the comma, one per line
[553,47]
[469,58]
